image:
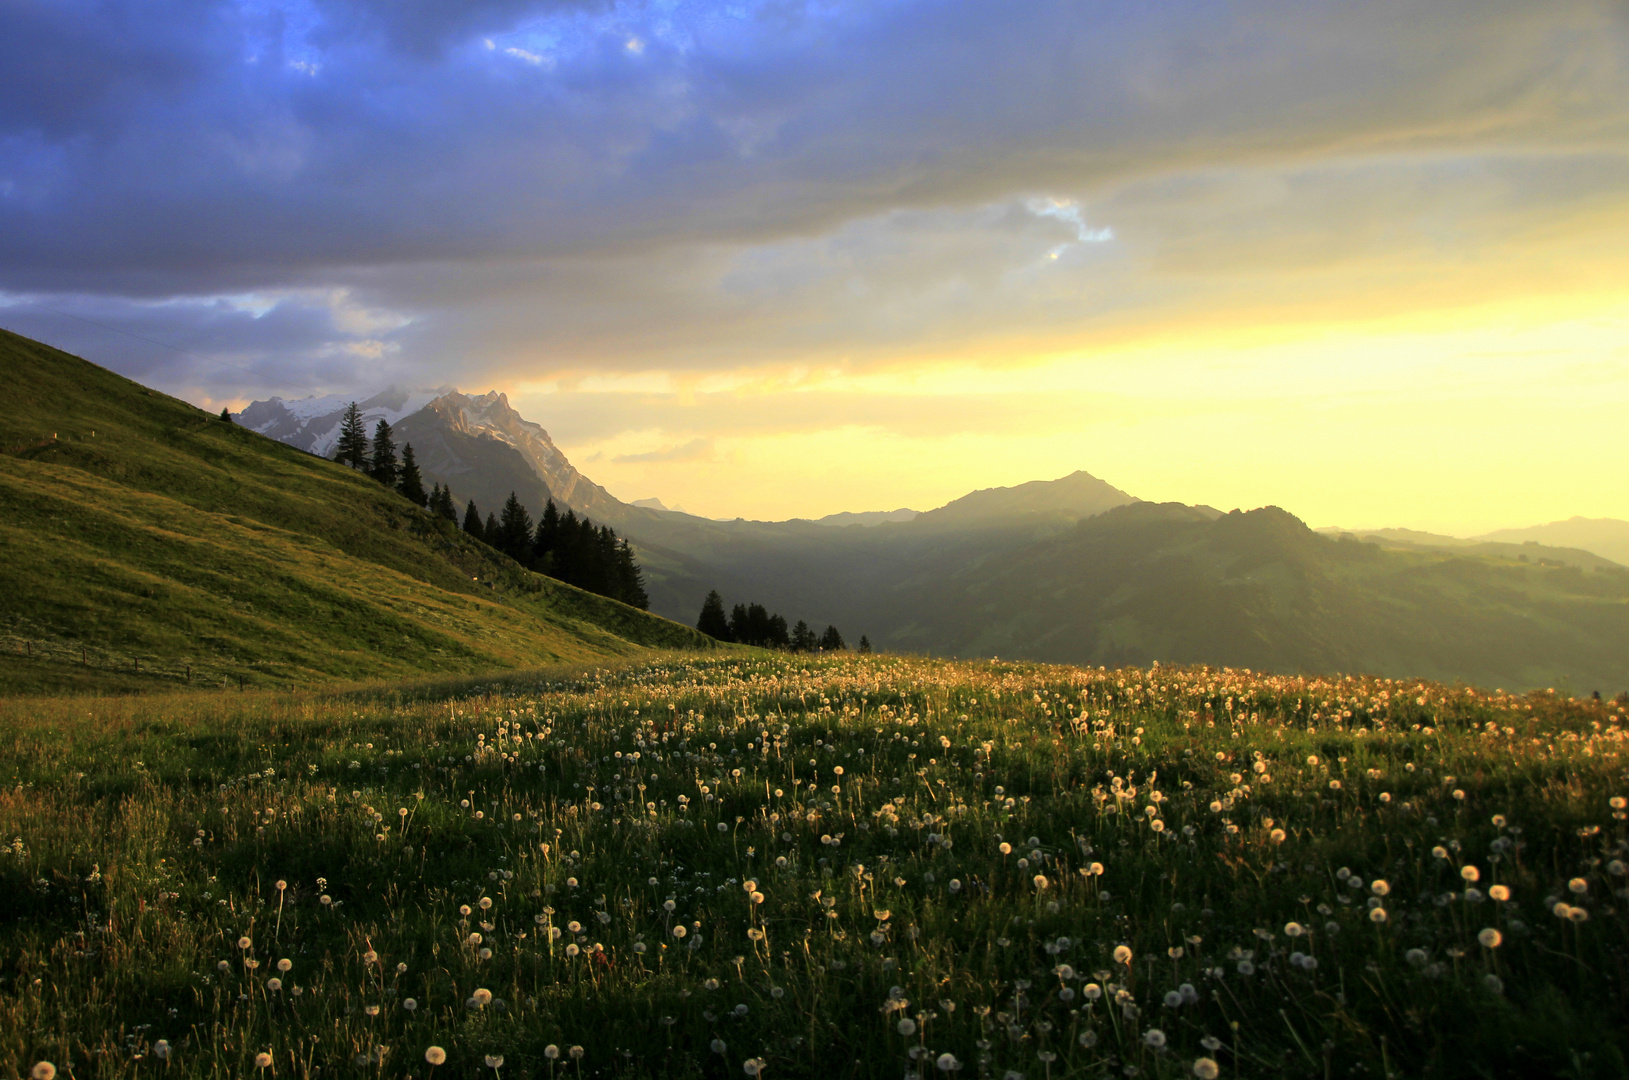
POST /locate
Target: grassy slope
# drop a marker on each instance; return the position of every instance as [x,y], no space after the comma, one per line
[142,534]
[141,837]
[1165,582]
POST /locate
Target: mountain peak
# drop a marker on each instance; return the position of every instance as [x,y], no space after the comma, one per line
[1078,495]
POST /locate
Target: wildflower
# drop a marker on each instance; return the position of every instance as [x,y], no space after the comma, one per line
[161,1049]
[284,965]
[1154,1038]
[1206,1068]
[1378,915]
[1499,892]
[1439,852]
[1470,873]
[754,1066]
[907,1027]
[1277,837]
[551,1052]
[1122,954]
[244,943]
[263,1060]
[1294,929]
[1092,991]
[435,1055]
[576,1053]
[482,996]
[947,1063]
[718,1046]
[494,1061]
[274,984]
[1380,887]
[679,931]
[1493,983]
[1040,881]
[1088,1038]
[43,1070]
[1006,848]
[370,957]
[1578,886]
[1490,938]
[410,1004]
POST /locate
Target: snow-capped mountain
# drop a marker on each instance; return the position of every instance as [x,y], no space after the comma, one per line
[476,444]
[312,423]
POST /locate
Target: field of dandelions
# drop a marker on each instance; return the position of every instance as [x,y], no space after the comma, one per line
[847,867]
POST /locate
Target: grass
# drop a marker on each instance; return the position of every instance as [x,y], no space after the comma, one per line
[150,544]
[881,866]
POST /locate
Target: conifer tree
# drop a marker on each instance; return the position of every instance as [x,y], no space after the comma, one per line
[472,521]
[382,464]
[713,622]
[489,531]
[515,531]
[776,636]
[410,483]
[740,625]
[832,641]
[803,638]
[865,644]
[631,579]
[546,540]
[226,414]
[352,448]
[441,504]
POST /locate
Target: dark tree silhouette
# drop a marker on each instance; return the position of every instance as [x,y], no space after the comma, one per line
[382,464]
[472,521]
[832,641]
[865,644]
[352,448]
[803,639]
[514,535]
[410,483]
[226,414]
[713,622]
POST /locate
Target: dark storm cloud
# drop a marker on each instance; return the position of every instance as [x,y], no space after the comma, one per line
[686,184]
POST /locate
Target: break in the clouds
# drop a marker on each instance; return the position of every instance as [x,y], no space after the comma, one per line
[233,199]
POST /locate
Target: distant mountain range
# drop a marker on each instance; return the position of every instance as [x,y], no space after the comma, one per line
[1073,569]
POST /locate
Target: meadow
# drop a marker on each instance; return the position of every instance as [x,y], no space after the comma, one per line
[752,865]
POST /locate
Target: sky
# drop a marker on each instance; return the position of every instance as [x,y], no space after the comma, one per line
[1365,261]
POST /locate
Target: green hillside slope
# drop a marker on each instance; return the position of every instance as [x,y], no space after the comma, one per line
[1260,590]
[144,539]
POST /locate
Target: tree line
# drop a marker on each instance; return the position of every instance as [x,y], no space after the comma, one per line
[565,547]
[377,457]
[752,624]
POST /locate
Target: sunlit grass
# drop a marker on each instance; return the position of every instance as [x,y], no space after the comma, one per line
[856,866]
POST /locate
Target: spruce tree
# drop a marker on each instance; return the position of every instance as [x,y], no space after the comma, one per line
[740,625]
[410,483]
[472,521]
[832,641]
[803,639]
[489,531]
[865,644]
[448,510]
[776,636]
[352,448]
[226,414]
[515,531]
[382,465]
[546,540]
[631,579]
[713,622]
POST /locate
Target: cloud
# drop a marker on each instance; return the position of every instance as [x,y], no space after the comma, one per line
[694,450]
[517,192]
